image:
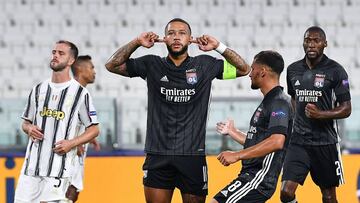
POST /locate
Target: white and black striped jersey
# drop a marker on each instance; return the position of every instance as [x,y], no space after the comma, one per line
[56,109]
[325,85]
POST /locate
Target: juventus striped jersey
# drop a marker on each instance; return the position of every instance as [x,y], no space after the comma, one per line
[273,116]
[178,100]
[325,85]
[56,109]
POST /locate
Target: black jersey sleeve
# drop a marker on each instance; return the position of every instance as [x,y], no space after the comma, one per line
[138,67]
[342,89]
[218,68]
[280,114]
[290,87]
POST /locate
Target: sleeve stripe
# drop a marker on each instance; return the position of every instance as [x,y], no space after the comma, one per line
[88,106]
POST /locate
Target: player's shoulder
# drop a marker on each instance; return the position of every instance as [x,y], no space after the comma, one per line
[336,65]
[282,98]
[203,57]
[43,83]
[150,57]
[77,86]
[295,65]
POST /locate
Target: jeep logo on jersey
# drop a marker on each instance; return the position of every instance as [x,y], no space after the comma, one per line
[319,80]
[191,77]
[58,115]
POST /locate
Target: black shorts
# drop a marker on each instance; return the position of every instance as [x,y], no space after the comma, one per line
[240,191]
[323,162]
[188,173]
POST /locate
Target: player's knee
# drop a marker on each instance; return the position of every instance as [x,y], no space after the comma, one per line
[328,198]
[286,195]
[214,201]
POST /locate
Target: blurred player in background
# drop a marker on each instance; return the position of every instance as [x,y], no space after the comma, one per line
[51,116]
[319,88]
[84,72]
[178,98]
[266,141]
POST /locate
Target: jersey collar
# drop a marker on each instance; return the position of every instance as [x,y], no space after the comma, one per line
[184,63]
[323,61]
[273,92]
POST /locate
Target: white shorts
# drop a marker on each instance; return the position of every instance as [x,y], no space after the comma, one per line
[78,173]
[34,189]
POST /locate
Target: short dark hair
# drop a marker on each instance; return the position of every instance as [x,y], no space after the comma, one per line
[78,61]
[177,20]
[73,49]
[316,29]
[271,59]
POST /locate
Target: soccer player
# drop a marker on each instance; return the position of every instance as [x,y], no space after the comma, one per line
[84,72]
[178,98]
[266,140]
[51,116]
[319,88]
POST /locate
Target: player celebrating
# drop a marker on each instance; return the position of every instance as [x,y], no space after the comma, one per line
[84,72]
[178,98]
[319,88]
[266,140]
[51,115]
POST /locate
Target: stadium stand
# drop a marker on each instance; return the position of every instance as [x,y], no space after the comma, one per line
[30,27]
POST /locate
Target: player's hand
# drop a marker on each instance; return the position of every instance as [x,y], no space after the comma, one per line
[148,39]
[206,42]
[227,157]
[35,133]
[96,144]
[80,150]
[63,146]
[312,111]
[224,128]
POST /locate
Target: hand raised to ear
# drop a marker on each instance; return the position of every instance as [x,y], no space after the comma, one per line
[206,42]
[147,39]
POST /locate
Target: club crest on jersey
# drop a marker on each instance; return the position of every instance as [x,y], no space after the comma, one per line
[191,77]
[319,80]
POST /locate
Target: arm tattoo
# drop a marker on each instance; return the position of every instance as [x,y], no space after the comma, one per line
[116,63]
[236,60]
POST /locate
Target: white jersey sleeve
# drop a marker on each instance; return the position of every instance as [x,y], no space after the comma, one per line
[87,111]
[30,108]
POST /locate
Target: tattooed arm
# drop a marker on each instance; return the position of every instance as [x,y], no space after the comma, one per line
[208,43]
[117,62]
[242,68]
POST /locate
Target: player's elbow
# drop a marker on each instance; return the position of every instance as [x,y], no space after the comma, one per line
[243,70]
[278,145]
[109,67]
[347,112]
[95,131]
[278,142]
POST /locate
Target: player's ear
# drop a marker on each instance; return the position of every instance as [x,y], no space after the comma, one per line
[191,39]
[71,61]
[325,43]
[263,72]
